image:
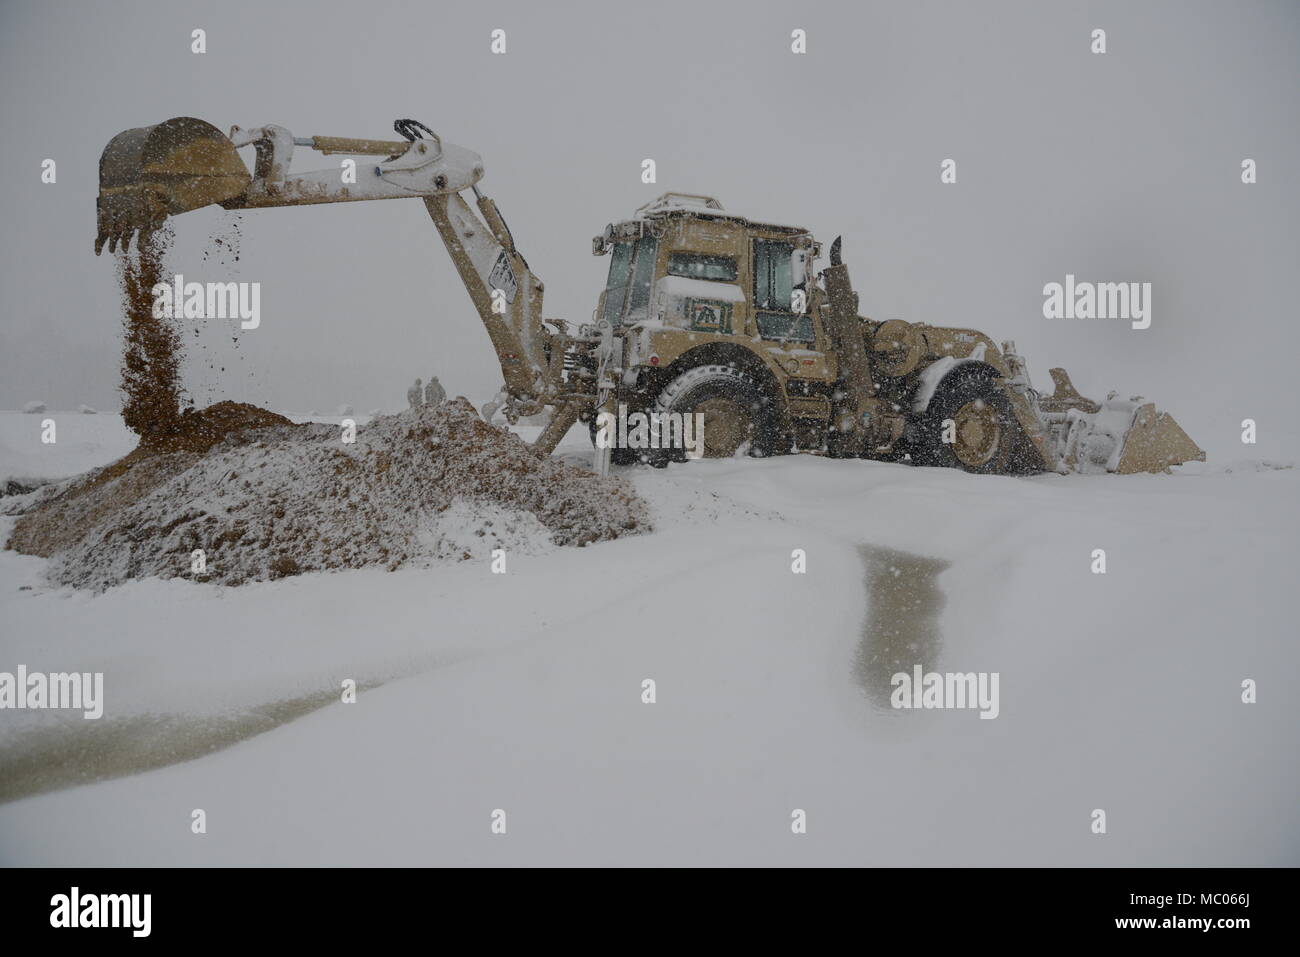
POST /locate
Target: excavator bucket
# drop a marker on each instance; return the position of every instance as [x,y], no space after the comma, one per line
[1123,436]
[152,172]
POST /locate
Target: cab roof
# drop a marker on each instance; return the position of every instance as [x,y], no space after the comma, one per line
[678,205]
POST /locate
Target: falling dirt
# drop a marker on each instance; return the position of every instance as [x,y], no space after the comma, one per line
[152,351]
[225,245]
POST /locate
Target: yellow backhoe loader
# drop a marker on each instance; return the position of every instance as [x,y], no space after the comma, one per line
[705,314]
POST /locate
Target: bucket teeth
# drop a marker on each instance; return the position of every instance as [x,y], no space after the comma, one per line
[124,212]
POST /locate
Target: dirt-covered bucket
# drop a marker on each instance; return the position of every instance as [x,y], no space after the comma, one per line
[152,172]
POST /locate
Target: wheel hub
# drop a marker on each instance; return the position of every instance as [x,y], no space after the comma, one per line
[977,433]
[727,426]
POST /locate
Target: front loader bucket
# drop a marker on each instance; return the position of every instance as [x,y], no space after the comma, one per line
[1155,442]
[152,172]
[1112,436]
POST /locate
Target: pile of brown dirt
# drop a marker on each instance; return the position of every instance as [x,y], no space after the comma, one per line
[197,430]
[68,515]
[430,484]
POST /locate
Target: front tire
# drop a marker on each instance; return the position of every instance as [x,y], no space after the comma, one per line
[983,432]
[737,415]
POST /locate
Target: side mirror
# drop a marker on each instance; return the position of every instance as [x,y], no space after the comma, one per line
[600,244]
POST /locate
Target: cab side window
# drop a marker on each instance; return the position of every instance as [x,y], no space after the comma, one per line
[773,292]
[620,272]
[638,300]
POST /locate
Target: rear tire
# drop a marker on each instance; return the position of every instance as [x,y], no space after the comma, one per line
[737,413]
[985,434]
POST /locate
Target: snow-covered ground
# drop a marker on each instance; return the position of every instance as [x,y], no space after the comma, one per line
[523,691]
[81,442]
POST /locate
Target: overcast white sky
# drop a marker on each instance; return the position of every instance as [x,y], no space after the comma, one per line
[1116,167]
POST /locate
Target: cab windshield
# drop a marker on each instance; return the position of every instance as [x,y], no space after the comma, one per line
[631,270]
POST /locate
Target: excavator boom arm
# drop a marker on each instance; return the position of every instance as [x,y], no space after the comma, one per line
[150,173]
[504,290]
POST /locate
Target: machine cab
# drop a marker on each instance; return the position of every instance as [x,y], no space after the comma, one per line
[684,263]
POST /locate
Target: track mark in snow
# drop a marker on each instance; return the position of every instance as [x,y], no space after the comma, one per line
[902,623]
[83,752]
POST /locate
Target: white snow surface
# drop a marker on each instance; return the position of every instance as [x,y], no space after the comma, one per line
[82,443]
[523,691]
